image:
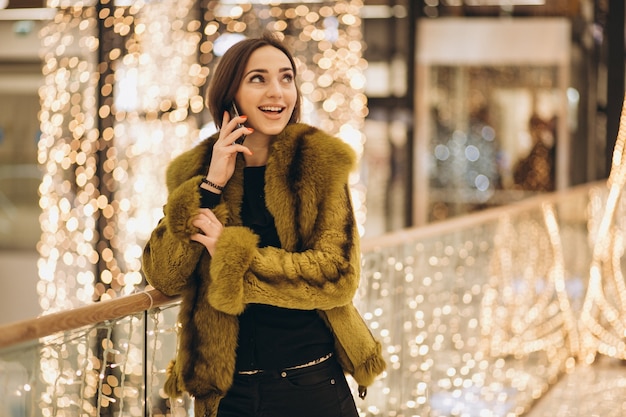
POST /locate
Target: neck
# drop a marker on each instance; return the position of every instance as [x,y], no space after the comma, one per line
[259,145]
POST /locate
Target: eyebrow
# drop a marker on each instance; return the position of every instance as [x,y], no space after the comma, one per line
[264,71]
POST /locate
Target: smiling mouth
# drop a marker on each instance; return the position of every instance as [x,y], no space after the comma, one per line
[272,109]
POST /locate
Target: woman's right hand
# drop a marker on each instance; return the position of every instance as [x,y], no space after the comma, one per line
[210,229]
[225,149]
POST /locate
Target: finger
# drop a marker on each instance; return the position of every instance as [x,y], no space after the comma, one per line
[204,240]
[203,224]
[237,121]
[229,125]
[207,242]
[209,215]
[229,137]
[198,237]
[225,118]
[233,127]
[226,128]
[240,148]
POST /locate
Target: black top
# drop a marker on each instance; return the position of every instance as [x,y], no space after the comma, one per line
[272,338]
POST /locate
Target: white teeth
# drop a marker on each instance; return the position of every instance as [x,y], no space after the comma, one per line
[271,108]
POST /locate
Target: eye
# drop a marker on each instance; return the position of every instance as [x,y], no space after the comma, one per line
[258,78]
[288,78]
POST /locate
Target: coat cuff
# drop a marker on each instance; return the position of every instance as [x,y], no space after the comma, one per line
[365,373]
[235,250]
[182,205]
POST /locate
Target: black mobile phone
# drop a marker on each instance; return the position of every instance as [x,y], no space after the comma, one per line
[234,112]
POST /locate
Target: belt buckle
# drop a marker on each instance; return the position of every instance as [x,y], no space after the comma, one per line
[253,372]
[313,362]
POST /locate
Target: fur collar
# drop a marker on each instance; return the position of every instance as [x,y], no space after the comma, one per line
[303,165]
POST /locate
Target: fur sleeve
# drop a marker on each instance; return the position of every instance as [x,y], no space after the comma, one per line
[170,256]
[318,266]
[322,277]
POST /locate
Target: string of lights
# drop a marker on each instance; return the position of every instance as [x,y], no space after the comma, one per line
[123,92]
[123,95]
[603,316]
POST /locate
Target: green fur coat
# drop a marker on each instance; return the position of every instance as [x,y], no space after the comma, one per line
[318,266]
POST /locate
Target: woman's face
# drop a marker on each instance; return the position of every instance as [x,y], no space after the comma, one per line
[267,94]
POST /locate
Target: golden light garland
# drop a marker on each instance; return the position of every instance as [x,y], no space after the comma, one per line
[69,191]
[327,43]
[603,317]
[111,122]
[477,319]
[111,126]
[156,89]
[123,95]
[422,295]
[526,307]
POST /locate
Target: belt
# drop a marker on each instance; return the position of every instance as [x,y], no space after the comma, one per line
[291,368]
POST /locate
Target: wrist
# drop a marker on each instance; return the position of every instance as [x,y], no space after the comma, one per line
[212,186]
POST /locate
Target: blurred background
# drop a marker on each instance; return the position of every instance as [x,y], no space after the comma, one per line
[454,106]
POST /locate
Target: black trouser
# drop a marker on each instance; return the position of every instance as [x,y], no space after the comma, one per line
[316,391]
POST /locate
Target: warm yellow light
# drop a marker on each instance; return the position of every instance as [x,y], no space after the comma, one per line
[109,128]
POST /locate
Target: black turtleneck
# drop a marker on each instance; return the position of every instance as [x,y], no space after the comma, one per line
[272,338]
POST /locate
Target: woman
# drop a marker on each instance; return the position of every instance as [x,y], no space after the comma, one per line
[260,239]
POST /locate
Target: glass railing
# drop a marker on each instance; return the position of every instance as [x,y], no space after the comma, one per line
[104,359]
[479,316]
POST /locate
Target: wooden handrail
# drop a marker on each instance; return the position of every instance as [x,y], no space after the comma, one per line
[27,330]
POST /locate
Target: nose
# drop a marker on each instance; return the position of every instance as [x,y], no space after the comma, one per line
[274,89]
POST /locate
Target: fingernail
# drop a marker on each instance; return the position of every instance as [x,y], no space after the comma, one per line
[251,129]
[244,117]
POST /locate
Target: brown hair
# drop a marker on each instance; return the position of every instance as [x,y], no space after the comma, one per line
[229,73]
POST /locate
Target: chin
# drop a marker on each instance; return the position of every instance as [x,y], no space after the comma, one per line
[275,129]
[274,132]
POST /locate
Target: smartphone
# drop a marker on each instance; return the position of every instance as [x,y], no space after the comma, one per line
[234,112]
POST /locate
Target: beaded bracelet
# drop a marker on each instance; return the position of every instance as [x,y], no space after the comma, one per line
[212,184]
